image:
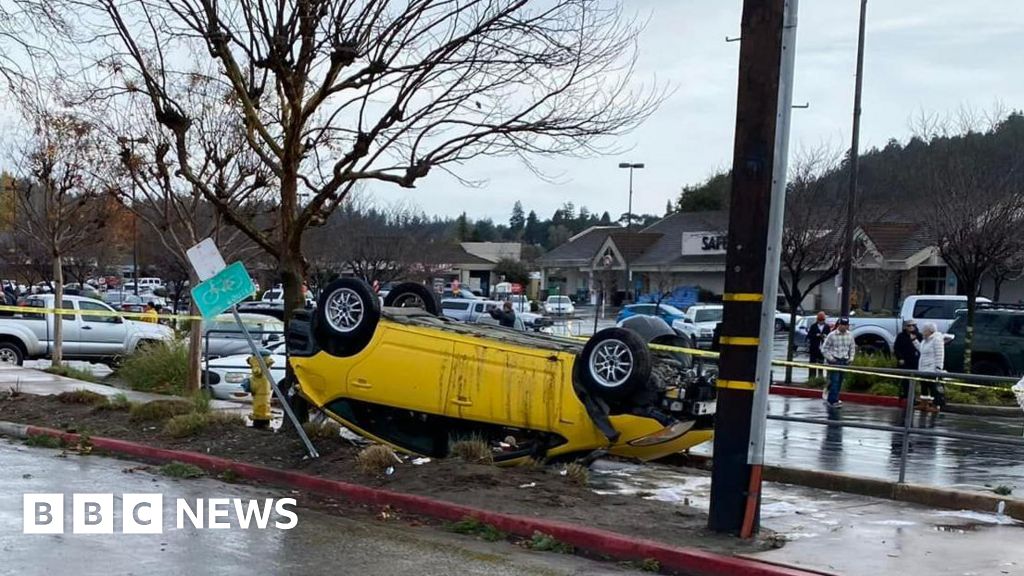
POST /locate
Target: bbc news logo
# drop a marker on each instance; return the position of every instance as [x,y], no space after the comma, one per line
[144,513]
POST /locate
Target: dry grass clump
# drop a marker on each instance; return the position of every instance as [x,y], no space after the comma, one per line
[577,474]
[376,459]
[193,423]
[322,430]
[474,450]
[160,410]
[81,397]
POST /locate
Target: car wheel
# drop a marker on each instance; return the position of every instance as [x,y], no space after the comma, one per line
[413,295]
[615,362]
[11,354]
[346,316]
[780,326]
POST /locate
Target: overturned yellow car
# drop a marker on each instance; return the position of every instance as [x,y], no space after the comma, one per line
[403,376]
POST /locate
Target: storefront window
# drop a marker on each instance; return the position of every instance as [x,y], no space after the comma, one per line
[931,280]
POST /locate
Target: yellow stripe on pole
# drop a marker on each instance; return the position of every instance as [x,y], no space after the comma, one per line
[743,297]
[739,341]
[735,384]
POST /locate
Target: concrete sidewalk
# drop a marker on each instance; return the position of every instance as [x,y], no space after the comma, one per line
[844,533]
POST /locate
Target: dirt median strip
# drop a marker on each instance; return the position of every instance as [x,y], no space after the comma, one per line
[682,560]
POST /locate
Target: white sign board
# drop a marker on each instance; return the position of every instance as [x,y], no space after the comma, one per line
[206,259]
[705,243]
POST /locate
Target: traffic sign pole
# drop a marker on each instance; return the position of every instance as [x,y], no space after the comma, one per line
[273,384]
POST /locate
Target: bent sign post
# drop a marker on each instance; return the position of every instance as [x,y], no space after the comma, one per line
[223,291]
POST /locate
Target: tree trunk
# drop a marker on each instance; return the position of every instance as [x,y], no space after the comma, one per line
[57,356]
[972,302]
[293,272]
[195,346]
[997,284]
[790,337]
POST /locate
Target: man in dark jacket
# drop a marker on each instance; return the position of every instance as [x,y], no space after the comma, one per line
[505,316]
[907,351]
[815,336]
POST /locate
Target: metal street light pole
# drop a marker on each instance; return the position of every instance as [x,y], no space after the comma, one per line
[127,154]
[847,275]
[629,223]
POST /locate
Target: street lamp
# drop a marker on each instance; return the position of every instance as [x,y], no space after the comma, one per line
[629,221]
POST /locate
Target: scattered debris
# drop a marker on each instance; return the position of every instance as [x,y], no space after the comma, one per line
[528,485]
[420,461]
[1002,490]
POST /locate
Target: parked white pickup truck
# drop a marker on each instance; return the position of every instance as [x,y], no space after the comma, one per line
[879,334]
[27,336]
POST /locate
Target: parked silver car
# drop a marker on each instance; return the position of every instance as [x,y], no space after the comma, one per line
[223,337]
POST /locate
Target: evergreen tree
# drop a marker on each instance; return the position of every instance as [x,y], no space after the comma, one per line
[462,228]
[532,229]
[518,219]
[606,219]
[668,208]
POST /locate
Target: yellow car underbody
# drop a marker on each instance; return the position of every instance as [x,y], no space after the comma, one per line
[464,375]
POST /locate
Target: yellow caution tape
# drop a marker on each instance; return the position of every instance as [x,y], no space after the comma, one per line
[100,313]
[846,369]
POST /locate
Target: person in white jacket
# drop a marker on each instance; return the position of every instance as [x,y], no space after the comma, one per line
[933,358]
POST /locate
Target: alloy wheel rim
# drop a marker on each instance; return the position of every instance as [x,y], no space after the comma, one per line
[7,356]
[344,310]
[611,363]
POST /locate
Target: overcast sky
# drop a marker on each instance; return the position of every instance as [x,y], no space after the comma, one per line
[930,55]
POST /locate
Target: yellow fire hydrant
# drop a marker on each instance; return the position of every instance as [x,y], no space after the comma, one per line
[259,386]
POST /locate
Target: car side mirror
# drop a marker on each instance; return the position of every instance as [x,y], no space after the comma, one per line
[687,321]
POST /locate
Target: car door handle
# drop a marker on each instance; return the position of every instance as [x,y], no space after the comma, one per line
[462,402]
[86,327]
[361,383]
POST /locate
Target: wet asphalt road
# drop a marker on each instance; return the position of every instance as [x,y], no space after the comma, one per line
[845,533]
[321,543]
[934,461]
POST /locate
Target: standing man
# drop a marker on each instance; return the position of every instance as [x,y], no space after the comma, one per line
[907,350]
[839,350]
[505,316]
[149,314]
[816,335]
[933,357]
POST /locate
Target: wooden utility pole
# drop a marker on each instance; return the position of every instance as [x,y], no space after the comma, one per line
[750,200]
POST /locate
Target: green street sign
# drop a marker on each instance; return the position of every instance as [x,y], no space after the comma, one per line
[229,287]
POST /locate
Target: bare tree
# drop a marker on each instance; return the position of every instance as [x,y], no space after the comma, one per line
[141,173]
[53,193]
[1010,268]
[812,240]
[974,177]
[339,93]
[370,241]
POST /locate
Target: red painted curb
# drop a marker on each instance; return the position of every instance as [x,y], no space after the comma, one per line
[851,397]
[685,560]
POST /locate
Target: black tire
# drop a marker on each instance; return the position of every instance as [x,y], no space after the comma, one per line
[11,353]
[413,295]
[346,316]
[614,363]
